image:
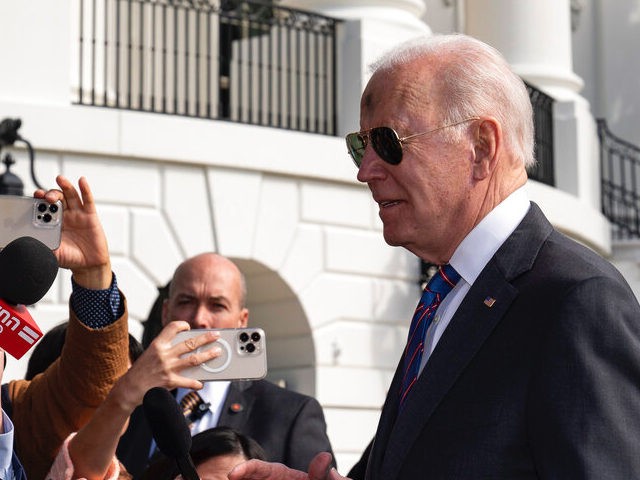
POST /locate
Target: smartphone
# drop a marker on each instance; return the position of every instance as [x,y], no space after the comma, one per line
[30,217]
[244,355]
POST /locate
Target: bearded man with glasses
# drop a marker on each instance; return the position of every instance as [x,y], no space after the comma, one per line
[529,367]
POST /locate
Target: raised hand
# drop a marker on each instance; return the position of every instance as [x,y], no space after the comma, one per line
[83,247]
[161,363]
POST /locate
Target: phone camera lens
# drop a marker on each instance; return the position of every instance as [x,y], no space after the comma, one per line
[46,218]
[53,208]
[251,348]
[244,337]
[42,207]
[255,336]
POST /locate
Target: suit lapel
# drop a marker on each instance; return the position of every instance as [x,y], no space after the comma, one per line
[237,405]
[465,335]
[387,420]
[482,309]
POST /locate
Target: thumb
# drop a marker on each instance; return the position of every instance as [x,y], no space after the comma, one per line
[319,466]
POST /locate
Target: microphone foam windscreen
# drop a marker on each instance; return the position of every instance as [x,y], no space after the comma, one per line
[167,422]
[27,269]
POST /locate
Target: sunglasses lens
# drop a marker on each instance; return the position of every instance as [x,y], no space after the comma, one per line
[356,144]
[386,144]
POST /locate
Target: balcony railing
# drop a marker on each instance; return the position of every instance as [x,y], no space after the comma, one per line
[620,183]
[543,121]
[245,61]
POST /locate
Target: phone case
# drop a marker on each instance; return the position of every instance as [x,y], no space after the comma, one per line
[30,217]
[244,355]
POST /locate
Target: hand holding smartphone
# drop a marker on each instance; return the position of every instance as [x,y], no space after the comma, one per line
[243,357]
[30,217]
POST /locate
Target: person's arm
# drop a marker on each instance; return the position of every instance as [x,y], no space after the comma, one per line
[65,396]
[92,450]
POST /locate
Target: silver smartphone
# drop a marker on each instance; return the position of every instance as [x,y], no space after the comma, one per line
[30,217]
[244,355]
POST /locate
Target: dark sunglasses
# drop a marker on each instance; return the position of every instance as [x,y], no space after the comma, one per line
[385,141]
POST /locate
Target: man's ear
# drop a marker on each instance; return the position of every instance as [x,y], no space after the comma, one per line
[487,138]
[244,318]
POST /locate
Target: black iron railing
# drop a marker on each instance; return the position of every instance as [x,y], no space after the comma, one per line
[620,183]
[246,61]
[543,170]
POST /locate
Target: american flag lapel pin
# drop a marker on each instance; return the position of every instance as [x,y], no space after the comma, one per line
[489,301]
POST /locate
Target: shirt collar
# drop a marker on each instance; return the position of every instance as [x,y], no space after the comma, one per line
[481,243]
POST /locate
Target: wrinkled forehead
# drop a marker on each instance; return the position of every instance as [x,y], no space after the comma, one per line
[402,90]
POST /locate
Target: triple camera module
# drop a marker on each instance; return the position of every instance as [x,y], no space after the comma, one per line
[247,342]
[47,211]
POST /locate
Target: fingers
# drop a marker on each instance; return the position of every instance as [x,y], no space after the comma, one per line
[190,344]
[71,196]
[334,475]
[320,466]
[87,195]
[171,357]
[194,343]
[68,194]
[259,470]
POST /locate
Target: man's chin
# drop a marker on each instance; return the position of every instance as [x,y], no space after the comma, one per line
[392,239]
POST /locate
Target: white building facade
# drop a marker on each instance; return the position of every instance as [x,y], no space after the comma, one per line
[334,299]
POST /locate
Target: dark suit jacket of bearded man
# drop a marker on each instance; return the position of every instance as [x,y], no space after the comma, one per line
[543,381]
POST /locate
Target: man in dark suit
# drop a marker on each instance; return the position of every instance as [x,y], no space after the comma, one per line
[531,367]
[208,291]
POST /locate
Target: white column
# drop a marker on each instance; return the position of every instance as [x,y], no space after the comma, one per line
[535,37]
[371,27]
[36,70]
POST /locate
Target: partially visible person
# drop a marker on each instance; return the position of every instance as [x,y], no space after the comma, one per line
[530,368]
[45,410]
[10,465]
[214,452]
[209,291]
[153,324]
[90,454]
[49,349]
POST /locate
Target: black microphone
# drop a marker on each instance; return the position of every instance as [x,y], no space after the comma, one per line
[169,429]
[27,269]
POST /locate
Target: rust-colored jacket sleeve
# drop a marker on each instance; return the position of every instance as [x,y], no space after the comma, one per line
[62,399]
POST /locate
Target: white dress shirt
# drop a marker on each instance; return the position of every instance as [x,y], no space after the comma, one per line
[6,447]
[470,258]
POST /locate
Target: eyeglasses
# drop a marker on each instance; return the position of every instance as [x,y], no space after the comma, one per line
[386,142]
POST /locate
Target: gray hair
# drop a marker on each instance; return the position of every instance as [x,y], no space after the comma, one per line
[475,80]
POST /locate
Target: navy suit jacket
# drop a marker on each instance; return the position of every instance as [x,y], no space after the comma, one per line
[289,426]
[18,470]
[544,383]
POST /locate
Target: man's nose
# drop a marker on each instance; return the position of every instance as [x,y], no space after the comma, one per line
[371,166]
[202,318]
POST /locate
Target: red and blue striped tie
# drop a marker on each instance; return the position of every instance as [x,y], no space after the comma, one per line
[438,287]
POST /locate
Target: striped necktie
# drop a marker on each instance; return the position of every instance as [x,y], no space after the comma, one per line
[438,287]
[193,407]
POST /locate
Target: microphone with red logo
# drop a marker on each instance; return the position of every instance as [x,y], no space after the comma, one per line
[27,270]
